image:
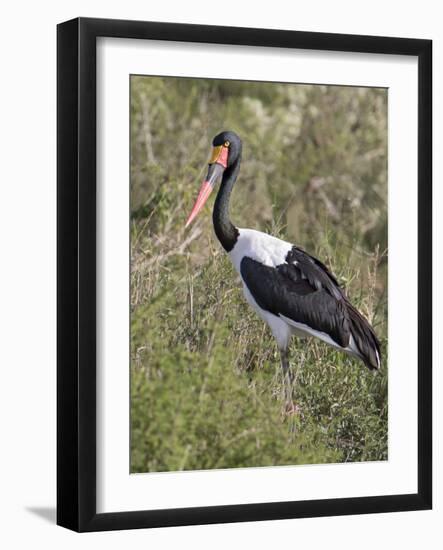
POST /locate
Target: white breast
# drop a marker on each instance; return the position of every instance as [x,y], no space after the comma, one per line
[269,251]
[259,246]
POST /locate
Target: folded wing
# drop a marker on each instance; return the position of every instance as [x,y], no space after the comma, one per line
[304,291]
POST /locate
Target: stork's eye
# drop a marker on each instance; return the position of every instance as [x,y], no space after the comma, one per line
[227,143]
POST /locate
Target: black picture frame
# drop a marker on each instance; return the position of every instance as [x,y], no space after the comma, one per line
[76,279]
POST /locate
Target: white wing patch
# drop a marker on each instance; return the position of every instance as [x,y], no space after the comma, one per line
[307,330]
[311,332]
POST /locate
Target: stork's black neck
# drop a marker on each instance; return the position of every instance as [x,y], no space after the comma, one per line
[225,230]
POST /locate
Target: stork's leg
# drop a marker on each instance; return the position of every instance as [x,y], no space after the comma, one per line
[288,382]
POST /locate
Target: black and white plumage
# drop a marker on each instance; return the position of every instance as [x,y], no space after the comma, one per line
[296,294]
[293,292]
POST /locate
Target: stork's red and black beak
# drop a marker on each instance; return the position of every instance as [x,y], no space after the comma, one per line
[217,165]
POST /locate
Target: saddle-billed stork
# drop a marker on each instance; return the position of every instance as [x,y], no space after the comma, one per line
[293,292]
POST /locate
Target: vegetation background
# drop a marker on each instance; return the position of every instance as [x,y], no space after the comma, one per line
[206,386]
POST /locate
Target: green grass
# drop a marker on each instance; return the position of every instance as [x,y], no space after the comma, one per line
[206,386]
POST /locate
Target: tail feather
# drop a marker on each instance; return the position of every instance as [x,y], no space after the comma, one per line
[365,339]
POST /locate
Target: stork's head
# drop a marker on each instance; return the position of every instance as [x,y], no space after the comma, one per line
[226,149]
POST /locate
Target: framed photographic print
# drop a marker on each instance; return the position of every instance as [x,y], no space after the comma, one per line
[244,274]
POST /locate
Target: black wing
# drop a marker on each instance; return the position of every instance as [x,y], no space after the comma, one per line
[315,271]
[303,290]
